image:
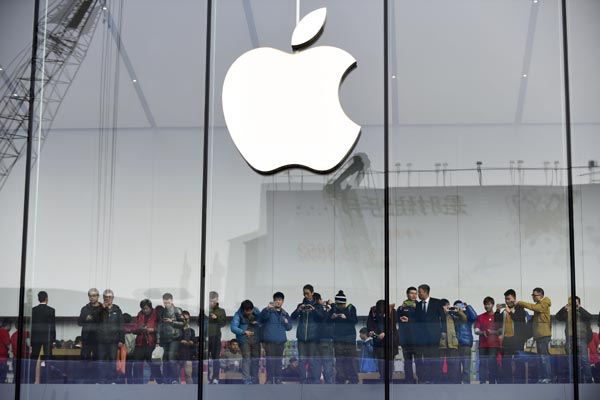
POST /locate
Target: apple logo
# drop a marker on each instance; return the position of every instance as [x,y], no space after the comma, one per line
[283,110]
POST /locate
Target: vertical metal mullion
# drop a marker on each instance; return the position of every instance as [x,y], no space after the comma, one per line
[388,341]
[204,197]
[25,233]
[570,205]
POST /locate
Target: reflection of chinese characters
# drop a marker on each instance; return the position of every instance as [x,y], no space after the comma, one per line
[407,205]
[321,252]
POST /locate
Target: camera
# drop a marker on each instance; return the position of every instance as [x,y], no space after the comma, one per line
[453,309]
[458,305]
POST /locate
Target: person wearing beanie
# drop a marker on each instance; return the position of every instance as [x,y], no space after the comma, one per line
[344,320]
[275,322]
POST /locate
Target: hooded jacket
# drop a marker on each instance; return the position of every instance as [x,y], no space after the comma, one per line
[464,328]
[274,326]
[240,324]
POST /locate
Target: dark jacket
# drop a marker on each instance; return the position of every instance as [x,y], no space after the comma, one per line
[110,328]
[169,332]
[43,325]
[464,329]
[274,326]
[376,323]
[325,325]
[89,327]
[308,321]
[519,319]
[405,329]
[584,326]
[430,324]
[344,330]
[215,325]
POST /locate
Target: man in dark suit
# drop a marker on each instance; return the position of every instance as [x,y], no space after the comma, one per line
[430,328]
[43,331]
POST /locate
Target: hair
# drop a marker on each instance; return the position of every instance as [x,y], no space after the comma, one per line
[380,305]
[185,312]
[279,295]
[127,318]
[410,288]
[42,296]
[425,288]
[539,290]
[108,292]
[510,292]
[578,299]
[444,302]
[309,287]
[458,301]
[92,291]
[7,322]
[145,302]
[363,330]
[167,296]
[316,297]
[213,295]
[488,300]
[232,341]
[246,305]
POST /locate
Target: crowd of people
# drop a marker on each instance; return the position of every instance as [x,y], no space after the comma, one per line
[434,335]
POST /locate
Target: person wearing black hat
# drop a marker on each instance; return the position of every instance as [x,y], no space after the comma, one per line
[292,372]
[344,320]
[275,322]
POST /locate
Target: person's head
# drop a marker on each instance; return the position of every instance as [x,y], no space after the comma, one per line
[247,308]
[294,362]
[278,299]
[146,306]
[363,333]
[107,297]
[488,304]
[43,297]
[127,318]
[411,293]
[380,306]
[6,323]
[445,305]
[423,291]
[234,346]
[93,295]
[537,294]
[167,300]
[317,298]
[340,299]
[213,299]
[510,297]
[186,316]
[577,301]
[308,291]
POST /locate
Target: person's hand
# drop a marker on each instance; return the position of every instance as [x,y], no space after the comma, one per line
[88,318]
[285,320]
[248,333]
[167,320]
[381,335]
[149,330]
[500,306]
[342,316]
[212,316]
[443,335]
[120,344]
[334,316]
[403,319]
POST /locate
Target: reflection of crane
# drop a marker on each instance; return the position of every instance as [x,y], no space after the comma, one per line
[358,165]
[68,34]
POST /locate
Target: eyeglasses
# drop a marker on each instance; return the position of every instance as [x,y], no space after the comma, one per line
[535,295]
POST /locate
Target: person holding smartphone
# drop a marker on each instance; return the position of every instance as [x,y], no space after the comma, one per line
[275,323]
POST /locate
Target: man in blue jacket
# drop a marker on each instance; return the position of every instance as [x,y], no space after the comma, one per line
[464,331]
[309,316]
[344,320]
[246,326]
[275,322]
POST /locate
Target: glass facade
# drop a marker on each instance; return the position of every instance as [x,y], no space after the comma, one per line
[140,247]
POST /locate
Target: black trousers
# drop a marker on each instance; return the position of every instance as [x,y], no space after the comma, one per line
[36,349]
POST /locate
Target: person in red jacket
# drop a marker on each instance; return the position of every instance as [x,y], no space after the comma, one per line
[489,342]
[594,349]
[14,343]
[4,346]
[146,327]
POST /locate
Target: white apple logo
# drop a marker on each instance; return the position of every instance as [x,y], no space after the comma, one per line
[283,109]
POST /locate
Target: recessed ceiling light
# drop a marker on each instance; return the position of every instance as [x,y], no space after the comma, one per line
[524,75]
[134,81]
[393,76]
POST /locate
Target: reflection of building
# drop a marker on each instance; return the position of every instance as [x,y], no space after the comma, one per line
[309,235]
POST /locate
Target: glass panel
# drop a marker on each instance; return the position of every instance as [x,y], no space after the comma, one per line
[478,197]
[16,27]
[117,200]
[280,232]
[584,59]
